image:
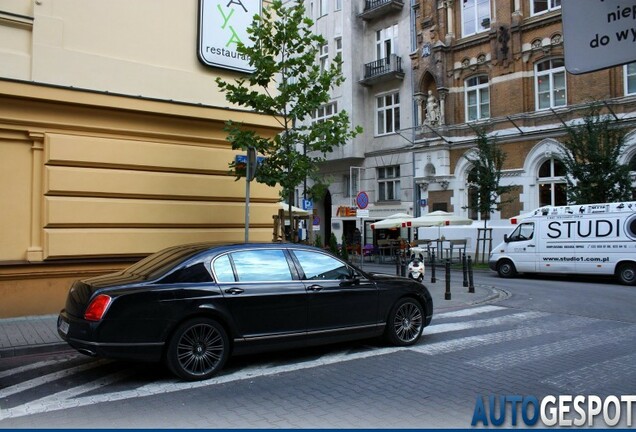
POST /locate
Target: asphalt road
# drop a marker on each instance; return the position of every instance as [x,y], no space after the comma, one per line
[546,337]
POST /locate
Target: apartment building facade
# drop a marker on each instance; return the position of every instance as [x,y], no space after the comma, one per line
[470,64]
[374,39]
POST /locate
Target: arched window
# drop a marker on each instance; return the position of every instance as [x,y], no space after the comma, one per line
[552,184]
[473,194]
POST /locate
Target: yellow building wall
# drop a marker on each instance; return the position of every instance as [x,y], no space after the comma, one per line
[87,176]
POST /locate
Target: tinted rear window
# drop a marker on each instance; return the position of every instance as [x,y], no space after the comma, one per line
[159,263]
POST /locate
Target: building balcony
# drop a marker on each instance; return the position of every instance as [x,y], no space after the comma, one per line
[383,70]
[379,8]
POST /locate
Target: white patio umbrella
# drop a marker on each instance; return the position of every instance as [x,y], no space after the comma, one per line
[438,218]
[296,211]
[394,221]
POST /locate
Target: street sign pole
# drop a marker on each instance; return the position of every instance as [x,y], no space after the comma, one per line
[250,171]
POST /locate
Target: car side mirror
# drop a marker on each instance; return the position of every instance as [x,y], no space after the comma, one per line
[506,238]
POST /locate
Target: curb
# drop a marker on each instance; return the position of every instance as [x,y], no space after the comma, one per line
[33,349]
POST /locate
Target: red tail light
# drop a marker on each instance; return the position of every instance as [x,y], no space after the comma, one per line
[97,308]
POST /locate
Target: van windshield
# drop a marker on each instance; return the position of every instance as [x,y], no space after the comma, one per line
[525,231]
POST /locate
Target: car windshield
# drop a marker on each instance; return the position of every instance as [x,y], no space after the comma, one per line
[159,263]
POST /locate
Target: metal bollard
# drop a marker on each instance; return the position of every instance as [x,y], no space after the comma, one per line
[398,265]
[471,285]
[464,269]
[433,280]
[447,294]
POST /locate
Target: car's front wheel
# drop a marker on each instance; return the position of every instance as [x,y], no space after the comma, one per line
[198,349]
[406,322]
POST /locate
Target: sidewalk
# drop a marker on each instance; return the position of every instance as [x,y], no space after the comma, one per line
[38,334]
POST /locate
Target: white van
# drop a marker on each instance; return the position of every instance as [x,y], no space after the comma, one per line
[595,239]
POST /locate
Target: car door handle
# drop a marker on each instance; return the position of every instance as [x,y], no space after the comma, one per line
[314,288]
[234,291]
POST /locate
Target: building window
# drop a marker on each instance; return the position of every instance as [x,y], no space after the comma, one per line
[386,42]
[323,7]
[550,85]
[552,185]
[338,43]
[324,57]
[630,79]
[388,114]
[324,112]
[477,98]
[389,183]
[541,6]
[475,16]
[337,5]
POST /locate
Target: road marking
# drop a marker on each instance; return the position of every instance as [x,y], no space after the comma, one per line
[469,312]
[488,322]
[568,346]
[35,382]
[498,337]
[32,366]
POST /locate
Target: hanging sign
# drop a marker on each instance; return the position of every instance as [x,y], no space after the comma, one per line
[222,25]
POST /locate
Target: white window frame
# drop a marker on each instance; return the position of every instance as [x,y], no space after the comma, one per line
[337,41]
[337,5]
[324,7]
[387,103]
[552,5]
[386,42]
[389,183]
[630,72]
[324,112]
[476,16]
[481,91]
[550,74]
[324,57]
[551,181]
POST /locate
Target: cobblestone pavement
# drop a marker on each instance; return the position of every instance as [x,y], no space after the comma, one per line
[465,354]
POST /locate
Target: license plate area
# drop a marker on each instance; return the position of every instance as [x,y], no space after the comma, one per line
[62,326]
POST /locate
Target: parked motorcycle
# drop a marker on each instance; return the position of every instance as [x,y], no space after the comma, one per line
[416,267]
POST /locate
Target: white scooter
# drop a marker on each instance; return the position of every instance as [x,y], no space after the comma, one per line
[416,267]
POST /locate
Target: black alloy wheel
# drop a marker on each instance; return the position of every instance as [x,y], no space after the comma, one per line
[406,322]
[198,349]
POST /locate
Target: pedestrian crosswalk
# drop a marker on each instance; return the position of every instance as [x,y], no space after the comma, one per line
[488,338]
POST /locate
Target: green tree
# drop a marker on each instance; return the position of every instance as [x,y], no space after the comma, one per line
[591,159]
[487,160]
[344,252]
[333,245]
[288,84]
[487,194]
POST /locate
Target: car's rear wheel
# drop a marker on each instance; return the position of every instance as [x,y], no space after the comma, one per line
[198,349]
[506,269]
[627,273]
[406,322]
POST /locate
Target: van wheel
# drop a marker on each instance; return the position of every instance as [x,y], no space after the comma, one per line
[506,269]
[627,273]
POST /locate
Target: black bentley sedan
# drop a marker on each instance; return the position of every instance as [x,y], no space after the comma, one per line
[193,306]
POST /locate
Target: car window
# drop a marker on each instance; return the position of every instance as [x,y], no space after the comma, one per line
[196,273]
[269,265]
[223,269]
[317,265]
[525,231]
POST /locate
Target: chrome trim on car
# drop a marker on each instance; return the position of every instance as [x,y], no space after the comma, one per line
[111,344]
[316,332]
